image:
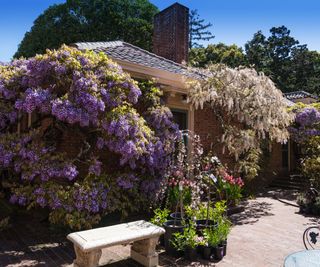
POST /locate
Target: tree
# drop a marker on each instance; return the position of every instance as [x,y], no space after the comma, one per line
[198,30]
[306,69]
[256,52]
[291,66]
[90,20]
[231,56]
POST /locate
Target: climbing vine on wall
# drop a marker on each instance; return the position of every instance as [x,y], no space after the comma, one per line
[249,106]
[94,141]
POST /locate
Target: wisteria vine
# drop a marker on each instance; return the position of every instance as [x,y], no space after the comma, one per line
[79,136]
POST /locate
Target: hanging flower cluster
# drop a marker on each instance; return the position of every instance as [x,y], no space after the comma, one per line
[307,122]
[306,132]
[251,107]
[70,95]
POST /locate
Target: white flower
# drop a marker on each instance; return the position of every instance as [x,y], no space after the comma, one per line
[213,178]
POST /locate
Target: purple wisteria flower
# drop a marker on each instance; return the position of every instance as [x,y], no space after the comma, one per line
[85,95]
[95,167]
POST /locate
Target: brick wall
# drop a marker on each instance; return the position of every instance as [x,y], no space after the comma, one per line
[170,37]
[208,127]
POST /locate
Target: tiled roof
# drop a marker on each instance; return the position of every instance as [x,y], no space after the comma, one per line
[133,54]
[127,52]
[299,95]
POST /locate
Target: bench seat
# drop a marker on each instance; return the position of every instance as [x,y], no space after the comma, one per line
[144,235]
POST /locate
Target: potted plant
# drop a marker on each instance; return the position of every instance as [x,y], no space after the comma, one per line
[204,217]
[187,241]
[206,249]
[224,230]
[174,226]
[212,237]
[159,218]
[179,195]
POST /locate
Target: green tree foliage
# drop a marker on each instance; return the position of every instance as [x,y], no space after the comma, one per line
[291,66]
[306,69]
[231,56]
[198,30]
[90,20]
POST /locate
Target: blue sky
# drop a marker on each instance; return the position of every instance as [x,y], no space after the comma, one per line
[234,21]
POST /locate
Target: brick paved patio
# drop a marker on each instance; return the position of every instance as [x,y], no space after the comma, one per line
[263,235]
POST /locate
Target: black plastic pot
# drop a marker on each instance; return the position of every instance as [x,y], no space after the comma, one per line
[178,216]
[224,244]
[171,227]
[203,224]
[175,215]
[200,249]
[207,252]
[218,253]
[190,254]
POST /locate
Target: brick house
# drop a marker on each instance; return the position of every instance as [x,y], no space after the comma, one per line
[165,64]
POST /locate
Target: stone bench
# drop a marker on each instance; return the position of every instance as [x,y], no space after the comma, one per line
[144,235]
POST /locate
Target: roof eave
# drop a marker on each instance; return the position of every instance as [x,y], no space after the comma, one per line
[175,81]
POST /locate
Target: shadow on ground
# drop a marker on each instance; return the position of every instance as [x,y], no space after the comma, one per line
[286,195]
[32,243]
[254,210]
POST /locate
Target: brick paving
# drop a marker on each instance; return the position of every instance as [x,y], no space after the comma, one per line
[262,236]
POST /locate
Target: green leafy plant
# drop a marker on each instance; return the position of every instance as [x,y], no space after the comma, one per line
[174,195]
[211,236]
[160,216]
[203,212]
[188,238]
[223,229]
[216,235]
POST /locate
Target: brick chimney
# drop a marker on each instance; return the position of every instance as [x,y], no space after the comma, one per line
[171,33]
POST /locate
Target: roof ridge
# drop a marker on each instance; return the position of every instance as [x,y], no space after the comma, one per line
[301,92]
[97,44]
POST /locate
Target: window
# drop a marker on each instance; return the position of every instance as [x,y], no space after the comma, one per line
[181,118]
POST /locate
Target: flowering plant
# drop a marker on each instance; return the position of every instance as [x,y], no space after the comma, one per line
[229,188]
[307,122]
[94,145]
[179,188]
[306,132]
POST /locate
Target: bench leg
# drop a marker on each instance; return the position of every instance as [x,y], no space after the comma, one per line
[144,252]
[86,259]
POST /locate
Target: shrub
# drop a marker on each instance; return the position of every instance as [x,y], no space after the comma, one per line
[98,143]
[306,132]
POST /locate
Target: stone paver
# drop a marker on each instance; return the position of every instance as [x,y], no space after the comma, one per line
[262,236]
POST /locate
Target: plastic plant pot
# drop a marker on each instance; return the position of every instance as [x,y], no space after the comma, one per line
[171,227]
[190,254]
